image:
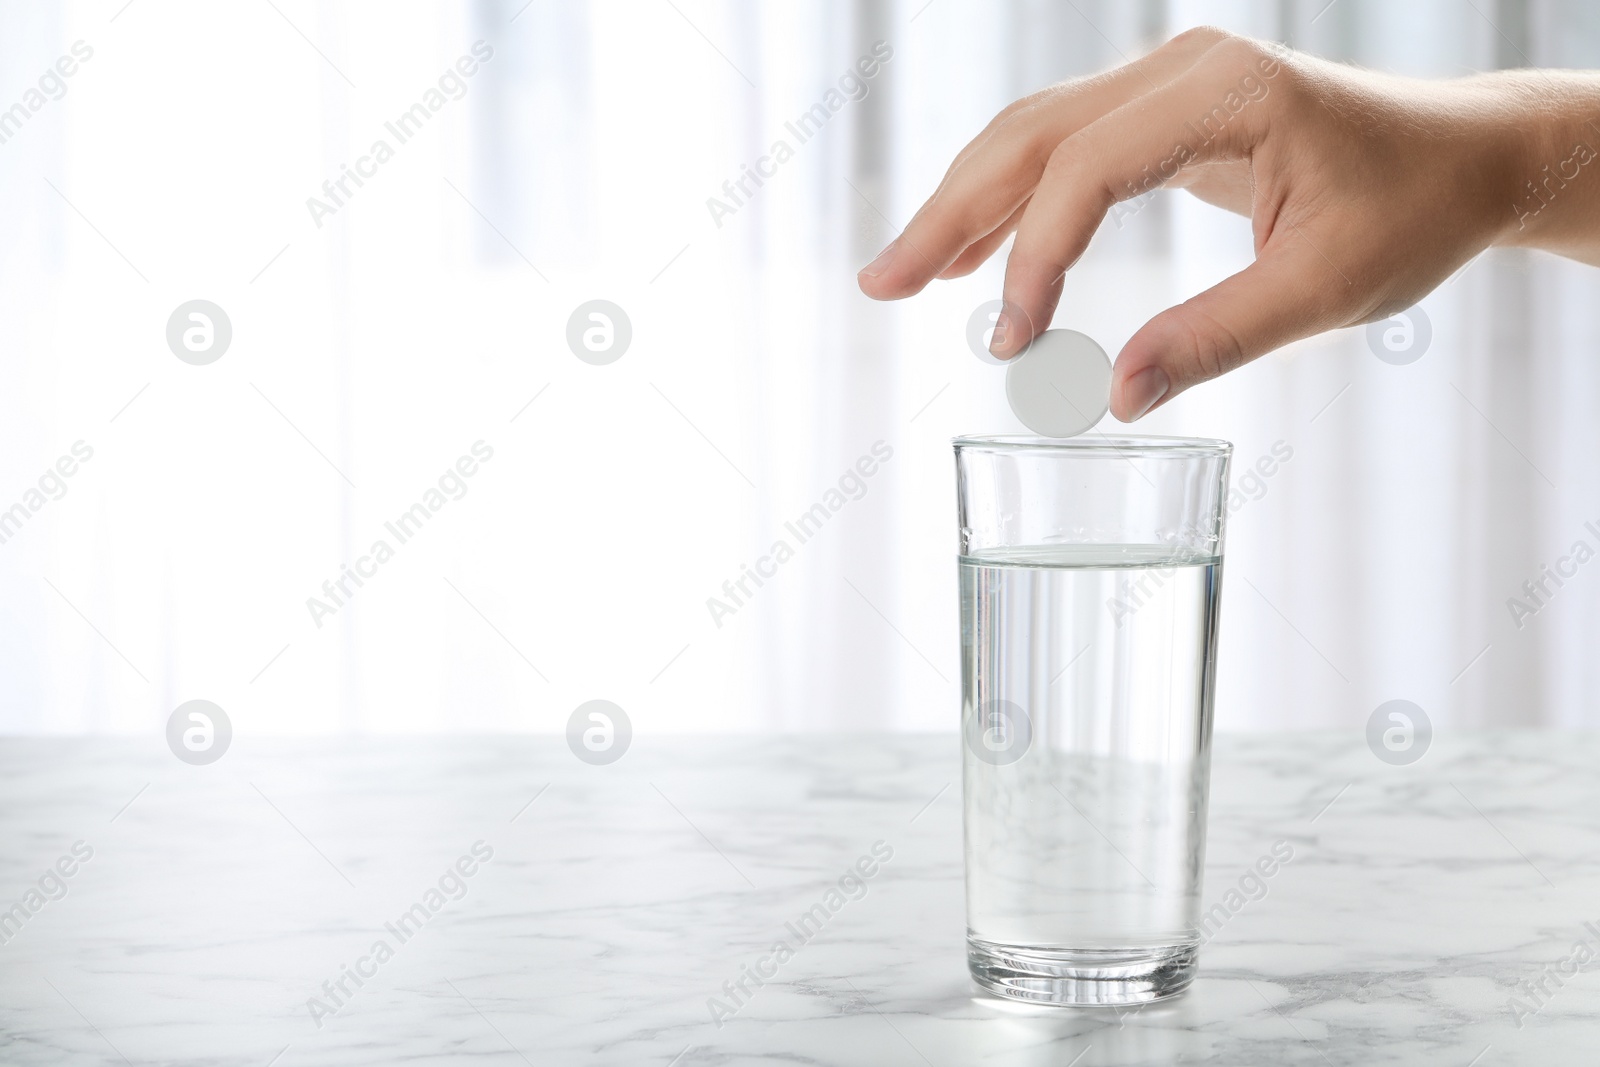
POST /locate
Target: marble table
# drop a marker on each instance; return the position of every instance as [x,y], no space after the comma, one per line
[536,909]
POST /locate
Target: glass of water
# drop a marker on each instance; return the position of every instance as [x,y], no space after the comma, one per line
[1090,575]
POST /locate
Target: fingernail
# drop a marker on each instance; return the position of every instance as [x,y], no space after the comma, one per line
[1013,331]
[1144,390]
[1002,328]
[881,264]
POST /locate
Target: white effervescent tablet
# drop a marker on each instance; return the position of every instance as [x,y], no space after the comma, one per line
[1060,385]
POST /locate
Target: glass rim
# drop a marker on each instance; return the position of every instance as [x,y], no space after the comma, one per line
[1099,443]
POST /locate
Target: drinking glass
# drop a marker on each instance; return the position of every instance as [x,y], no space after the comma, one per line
[1091,569]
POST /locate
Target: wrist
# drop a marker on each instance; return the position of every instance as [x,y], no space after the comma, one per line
[1547,163]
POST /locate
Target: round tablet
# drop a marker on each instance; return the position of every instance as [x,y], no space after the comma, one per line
[1060,385]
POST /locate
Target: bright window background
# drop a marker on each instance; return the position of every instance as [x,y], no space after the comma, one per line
[429,313]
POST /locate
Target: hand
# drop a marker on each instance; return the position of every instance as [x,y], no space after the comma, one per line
[1365,191]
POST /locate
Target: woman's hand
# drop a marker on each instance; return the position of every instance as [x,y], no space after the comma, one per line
[1364,192]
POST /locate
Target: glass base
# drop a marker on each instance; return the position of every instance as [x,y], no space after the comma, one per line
[1081,977]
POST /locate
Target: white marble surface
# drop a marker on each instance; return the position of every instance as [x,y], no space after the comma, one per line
[221,898]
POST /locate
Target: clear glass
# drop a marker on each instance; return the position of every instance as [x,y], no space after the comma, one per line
[1090,574]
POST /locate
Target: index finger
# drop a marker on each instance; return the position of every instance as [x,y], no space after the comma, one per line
[1125,154]
[995,173]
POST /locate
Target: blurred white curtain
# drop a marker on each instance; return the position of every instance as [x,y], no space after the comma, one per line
[430,313]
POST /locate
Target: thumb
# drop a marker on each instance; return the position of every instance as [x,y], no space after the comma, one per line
[1288,293]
